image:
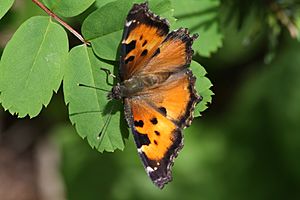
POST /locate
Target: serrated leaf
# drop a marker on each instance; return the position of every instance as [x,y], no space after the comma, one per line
[89,108]
[32,66]
[68,8]
[200,17]
[5,6]
[203,86]
[105,32]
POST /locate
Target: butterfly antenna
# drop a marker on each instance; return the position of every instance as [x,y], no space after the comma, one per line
[93,87]
[84,112]
[105,126]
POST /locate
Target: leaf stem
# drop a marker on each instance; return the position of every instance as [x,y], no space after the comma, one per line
[62,22]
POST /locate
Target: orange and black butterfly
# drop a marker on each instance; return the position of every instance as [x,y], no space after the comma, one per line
[157,88]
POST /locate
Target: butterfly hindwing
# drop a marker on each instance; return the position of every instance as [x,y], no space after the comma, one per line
[157,118]
[157,138]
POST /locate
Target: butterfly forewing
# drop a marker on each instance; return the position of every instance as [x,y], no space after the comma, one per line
[143,33]
[173,55]
[157,118]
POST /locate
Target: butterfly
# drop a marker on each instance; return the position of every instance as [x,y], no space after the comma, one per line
[157,88]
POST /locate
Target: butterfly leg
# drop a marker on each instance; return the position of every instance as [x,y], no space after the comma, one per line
[108,74]
[105,126]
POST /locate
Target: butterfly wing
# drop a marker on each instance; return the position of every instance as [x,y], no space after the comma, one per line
[143,33]
[156,144]
[157,119]
[158,113]
[173,54]
[147,47]
[175,98]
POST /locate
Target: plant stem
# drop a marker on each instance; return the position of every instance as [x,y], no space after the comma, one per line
[59,20]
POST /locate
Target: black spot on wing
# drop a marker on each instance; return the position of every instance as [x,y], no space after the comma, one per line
[155,142]
[139,123]
[156,52]
[144,43]
[162,173]
[163,110]
[157,133]
[141,139]
[131,58]
[129,47]
[144,52]
[154,120]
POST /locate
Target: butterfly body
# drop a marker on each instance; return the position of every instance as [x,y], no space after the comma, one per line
[157,88]
[135,85]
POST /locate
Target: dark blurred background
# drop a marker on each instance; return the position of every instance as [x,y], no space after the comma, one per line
[245,145]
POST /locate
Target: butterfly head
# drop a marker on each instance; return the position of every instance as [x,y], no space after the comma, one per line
[115,92]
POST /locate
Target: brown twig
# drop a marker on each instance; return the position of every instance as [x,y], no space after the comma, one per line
[284,19]
[59,20]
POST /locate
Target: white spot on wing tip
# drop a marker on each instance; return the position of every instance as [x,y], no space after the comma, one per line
[149,169]
[128,23]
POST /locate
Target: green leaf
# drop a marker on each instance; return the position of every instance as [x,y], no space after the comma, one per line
[5,6]
[203,85]
[89,108]
[100,3]
[104,29]
[68,8]
[163,8]
[32,66]
[200,17]
[297,23]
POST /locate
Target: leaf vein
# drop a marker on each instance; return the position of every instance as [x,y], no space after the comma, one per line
[37,54]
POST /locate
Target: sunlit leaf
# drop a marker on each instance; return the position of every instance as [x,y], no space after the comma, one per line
[89,108]
[68,8]
[100,3]
[203,86]
[200,17]
[5,6]
[32,66]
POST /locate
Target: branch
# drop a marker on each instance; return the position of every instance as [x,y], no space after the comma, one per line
[59,20]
